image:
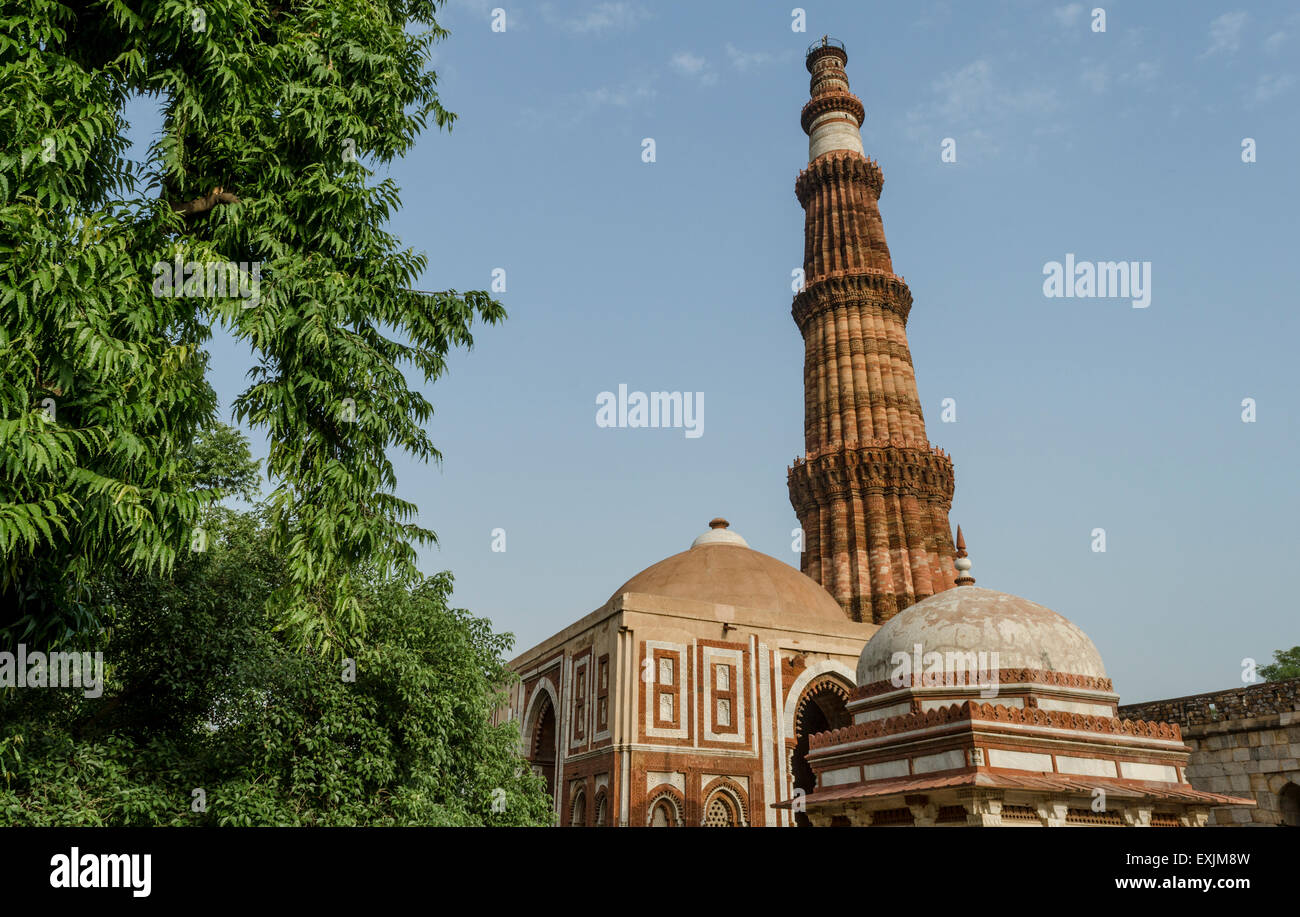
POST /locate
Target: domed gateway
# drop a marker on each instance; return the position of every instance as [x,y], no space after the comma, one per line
[689,696]
[975,707]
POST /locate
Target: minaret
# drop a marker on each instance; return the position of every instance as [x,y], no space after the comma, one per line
[962,563]
[871,493]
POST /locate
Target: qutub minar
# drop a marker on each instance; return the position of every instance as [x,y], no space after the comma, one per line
[871,493]
[723,687]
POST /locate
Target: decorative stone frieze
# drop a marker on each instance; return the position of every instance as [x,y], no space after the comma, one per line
[1011,676]
[998,713]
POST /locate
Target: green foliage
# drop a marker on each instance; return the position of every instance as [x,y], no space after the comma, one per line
[1286,664]
[202,692]
[103,381]
[219,461]
[110,457]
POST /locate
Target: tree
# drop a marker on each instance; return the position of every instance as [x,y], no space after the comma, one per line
[1286,664]
[107,293]
[203,694]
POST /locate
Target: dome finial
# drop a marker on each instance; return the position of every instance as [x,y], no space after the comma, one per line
[962,563]
[719,533]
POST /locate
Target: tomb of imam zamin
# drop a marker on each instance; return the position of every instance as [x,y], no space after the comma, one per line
[879,686]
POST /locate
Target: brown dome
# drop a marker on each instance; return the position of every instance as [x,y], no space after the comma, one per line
[721,568]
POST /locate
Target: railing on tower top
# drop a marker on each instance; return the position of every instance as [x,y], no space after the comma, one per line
[824,42]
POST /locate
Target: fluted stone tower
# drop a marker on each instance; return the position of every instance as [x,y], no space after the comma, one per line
[871,493]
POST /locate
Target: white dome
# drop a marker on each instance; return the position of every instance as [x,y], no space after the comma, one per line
[1024,634]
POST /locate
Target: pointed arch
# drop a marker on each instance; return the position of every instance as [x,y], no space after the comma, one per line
[726,805]
[578,810]
[818,702]
[1289,805]
[540,734]
[846,677]
[666,808]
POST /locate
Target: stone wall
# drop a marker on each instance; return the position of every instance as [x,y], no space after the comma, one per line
[1245,742]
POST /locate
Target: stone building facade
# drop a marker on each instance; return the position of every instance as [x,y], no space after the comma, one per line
[1244,741]
[689,696]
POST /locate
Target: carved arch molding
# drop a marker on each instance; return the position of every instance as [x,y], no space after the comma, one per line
[670,797]
[725,804]
[829,692]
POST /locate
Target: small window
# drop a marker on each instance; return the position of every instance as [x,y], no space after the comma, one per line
[602,694]
[580,705]
[666,707]
[666,710]
[724,698]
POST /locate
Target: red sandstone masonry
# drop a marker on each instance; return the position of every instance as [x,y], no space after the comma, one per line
[872,495]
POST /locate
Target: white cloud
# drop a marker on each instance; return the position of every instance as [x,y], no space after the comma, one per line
[688,64]
[616,15]
[1270,87]
[1274,42]
[974,92]
[747,60]
[1069,14]
[935,15]
[692,66]
[1144,74]
[572,108]
[1096,76]
[1100,77]
[972,103]
[619,96]
[482,10]
[1225,33]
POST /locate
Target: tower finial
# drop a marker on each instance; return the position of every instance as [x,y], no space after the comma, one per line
[962,563]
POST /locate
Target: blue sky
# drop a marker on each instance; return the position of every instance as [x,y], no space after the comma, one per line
[675,275]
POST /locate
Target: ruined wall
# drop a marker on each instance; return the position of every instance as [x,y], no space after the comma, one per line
[1245,742]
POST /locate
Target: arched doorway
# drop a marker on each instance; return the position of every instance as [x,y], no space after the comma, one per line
[1289,803]
[821,708]
[578,819]
[541,743]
